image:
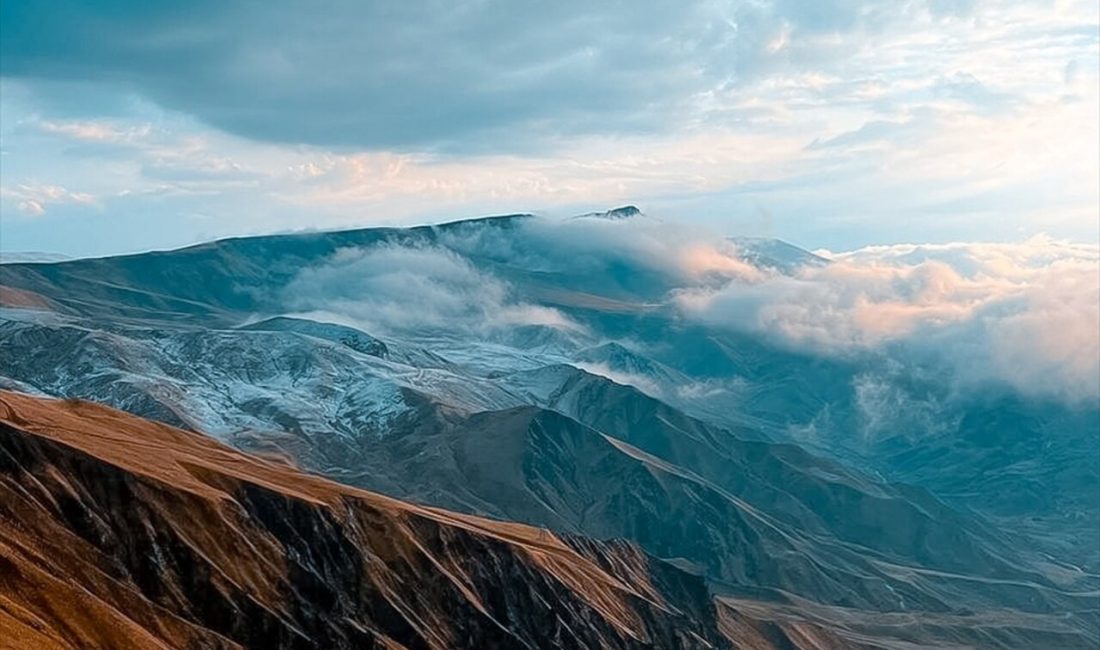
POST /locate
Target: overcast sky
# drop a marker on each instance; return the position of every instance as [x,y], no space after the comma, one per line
[836,123]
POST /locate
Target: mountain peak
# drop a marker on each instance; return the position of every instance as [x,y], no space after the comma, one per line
[615,214]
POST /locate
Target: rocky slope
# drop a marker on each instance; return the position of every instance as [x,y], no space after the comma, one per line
[118,532]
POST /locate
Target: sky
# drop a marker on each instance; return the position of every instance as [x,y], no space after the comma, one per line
[839,124]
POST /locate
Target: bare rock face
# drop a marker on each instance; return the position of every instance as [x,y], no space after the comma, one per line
[118,532]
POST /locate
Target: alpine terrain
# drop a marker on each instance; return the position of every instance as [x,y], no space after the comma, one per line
[509,432]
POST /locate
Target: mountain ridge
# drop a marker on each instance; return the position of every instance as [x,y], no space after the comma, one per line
[74,443]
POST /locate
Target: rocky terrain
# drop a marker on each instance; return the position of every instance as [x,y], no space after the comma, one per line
[124,533]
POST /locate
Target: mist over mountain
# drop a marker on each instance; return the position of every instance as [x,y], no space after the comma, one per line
[497,325]
[896,430]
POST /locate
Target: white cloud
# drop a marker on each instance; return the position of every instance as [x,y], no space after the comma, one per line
[108,131]
[589,245]
[1024,314]
[391,288]
[36,199]
[886,409]
[1050,344]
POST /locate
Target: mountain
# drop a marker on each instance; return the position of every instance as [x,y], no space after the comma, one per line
[1027,465]
[12,257]
[625,212]
[123,533]
[415,433]
[496,368]
[776,254]
[349,336]
[381,425]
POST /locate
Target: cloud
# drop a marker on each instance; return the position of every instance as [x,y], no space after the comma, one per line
[942,120]
[35,199]
[886,407]
[670,254]
[97,130]
[1049,344]
[435,75]
[876,131]
[1026,315]
[843,305]
[967,88]
[375,75]
[392,288]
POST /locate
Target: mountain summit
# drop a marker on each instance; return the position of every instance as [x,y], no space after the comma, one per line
[616,214]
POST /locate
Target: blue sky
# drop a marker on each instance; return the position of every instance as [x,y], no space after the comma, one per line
[127,126]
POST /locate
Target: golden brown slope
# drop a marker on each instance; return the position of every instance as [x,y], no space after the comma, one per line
[118,532]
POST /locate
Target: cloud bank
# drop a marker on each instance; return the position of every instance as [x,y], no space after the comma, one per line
[1024,314]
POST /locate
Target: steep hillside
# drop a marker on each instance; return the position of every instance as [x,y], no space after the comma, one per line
[118,532]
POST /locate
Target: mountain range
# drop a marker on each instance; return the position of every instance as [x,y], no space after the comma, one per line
[512,387]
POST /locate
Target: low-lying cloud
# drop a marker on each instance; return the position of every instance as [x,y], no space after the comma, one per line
[1025,314]
[1022,315]
[681,256]
[392,288]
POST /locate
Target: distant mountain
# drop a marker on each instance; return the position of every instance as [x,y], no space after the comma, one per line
[624,362]
[625,212]
[776,254]
[20,257]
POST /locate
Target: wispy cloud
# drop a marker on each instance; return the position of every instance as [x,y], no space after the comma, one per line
[35,199]
[416,288]
[97,130]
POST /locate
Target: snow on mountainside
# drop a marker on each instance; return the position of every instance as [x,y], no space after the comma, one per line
[775,253]
[617,358]
[225,381]
[349,336]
